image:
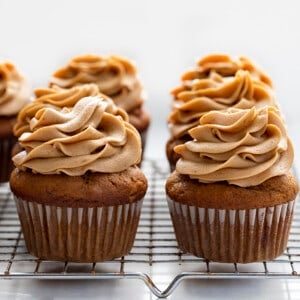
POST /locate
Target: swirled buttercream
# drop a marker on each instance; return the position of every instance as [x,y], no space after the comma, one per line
[75,140]
[244,147]
[14,90]
[218,82]
[223,65]
[115,76]
[54,97]
[217,93]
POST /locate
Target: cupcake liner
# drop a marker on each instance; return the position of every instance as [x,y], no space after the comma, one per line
[78,234]
[239,236]
[6,164]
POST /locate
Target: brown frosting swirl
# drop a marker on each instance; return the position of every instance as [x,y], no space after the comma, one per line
[115,76]
[90,136]
[218,82]
[223,65]
[217,93]
[14,90]
[244,147]
[54,97]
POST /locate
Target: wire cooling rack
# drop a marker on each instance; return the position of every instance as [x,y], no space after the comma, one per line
[154,259]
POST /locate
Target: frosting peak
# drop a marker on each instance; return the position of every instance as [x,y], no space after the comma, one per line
[14,90]
[74,140]
[114,75]
[55,97]
[216,92]
[225,66]
[244,147]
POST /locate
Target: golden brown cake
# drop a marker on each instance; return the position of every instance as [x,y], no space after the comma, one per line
[116,77]
[232,195]
[217,83]
[14,94]
[76,184]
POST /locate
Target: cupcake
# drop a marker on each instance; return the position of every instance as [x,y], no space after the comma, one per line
[232,195]
[14,94]
[218,83]
[116,77]
[76,185]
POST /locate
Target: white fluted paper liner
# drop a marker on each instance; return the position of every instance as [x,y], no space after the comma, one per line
[232,235]
[78,234]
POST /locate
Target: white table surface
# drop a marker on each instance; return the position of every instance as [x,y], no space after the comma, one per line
[164,38]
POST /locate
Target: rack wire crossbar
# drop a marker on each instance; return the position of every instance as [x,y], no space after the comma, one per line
[155,249]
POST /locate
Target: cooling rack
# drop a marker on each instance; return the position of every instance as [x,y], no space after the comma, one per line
[154,259]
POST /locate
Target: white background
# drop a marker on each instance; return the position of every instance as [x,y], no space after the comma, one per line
[164,38]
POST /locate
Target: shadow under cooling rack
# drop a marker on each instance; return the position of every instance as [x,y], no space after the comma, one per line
[154,259]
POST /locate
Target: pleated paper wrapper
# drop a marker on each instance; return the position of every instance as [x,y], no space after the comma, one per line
[239,236]
[78,234]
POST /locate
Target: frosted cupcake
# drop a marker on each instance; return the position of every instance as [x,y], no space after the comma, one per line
[14,94]
[116,77]
[76,185]
[232,195]
[218,83]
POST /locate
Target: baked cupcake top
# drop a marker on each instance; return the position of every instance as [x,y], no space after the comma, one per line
[14,90]
[218,82]
[55,97]
[90,136]
[244,147]
[115,76]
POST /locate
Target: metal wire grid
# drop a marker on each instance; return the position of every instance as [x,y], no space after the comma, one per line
[154,258]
